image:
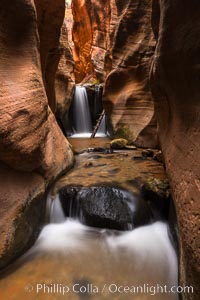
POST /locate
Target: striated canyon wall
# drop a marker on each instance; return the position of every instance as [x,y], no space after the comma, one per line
[127,96]
[33,150]
[56,57]
[64,77]
[114,43]
[91,38]
[175,86]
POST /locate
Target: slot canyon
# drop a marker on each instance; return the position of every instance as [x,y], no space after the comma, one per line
[126,72]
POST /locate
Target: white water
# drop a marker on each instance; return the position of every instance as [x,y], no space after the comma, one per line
[143,256]
[100,133]
[54,209]
[82,117]
[87,135]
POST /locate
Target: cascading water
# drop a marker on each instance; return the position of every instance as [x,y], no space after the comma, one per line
[82,116]
[54,210]
[93,259]
[82,121]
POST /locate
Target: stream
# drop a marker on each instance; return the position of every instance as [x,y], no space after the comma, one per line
[71,260]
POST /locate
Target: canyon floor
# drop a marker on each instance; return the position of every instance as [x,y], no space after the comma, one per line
[94,166]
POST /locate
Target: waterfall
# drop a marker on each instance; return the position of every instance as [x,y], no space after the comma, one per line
[143,257]
[55,212]
[81,115]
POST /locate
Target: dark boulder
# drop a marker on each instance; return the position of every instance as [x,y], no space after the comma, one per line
[106,207]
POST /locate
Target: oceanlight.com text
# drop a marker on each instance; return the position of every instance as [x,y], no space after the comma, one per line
[111,288]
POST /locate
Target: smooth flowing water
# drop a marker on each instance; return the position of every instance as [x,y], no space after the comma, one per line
[82,121]
[72,261]
[82,117]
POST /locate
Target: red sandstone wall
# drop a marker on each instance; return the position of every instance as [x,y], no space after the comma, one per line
[127,96]
[175,86]
[114,43]
[32,147]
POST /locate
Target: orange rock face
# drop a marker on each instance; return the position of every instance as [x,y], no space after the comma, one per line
[56,56]
[175,86]
[64,79]
[82,38]
[50,19]
[114,43]
[30,139]
[127,96]
[24,108]
[91,37]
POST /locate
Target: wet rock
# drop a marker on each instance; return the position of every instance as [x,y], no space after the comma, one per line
[114,171]
[157,193]
[108,151]
[105,207]
[95,157]
[158,156]
[88,164]
[118,143]
[100,149]
[80,151]
[148,153]
[101,165]
[97,149]
[68,198]
[139,158]
[123,154]
[136,182]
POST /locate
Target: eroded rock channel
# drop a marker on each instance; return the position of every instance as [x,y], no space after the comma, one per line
[101,221]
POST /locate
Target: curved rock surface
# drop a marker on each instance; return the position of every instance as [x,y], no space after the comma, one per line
[29,134]
[91,37]
[56,56]
[127,96]
[114,43]
[64,79]
[175,86]
[50,18]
